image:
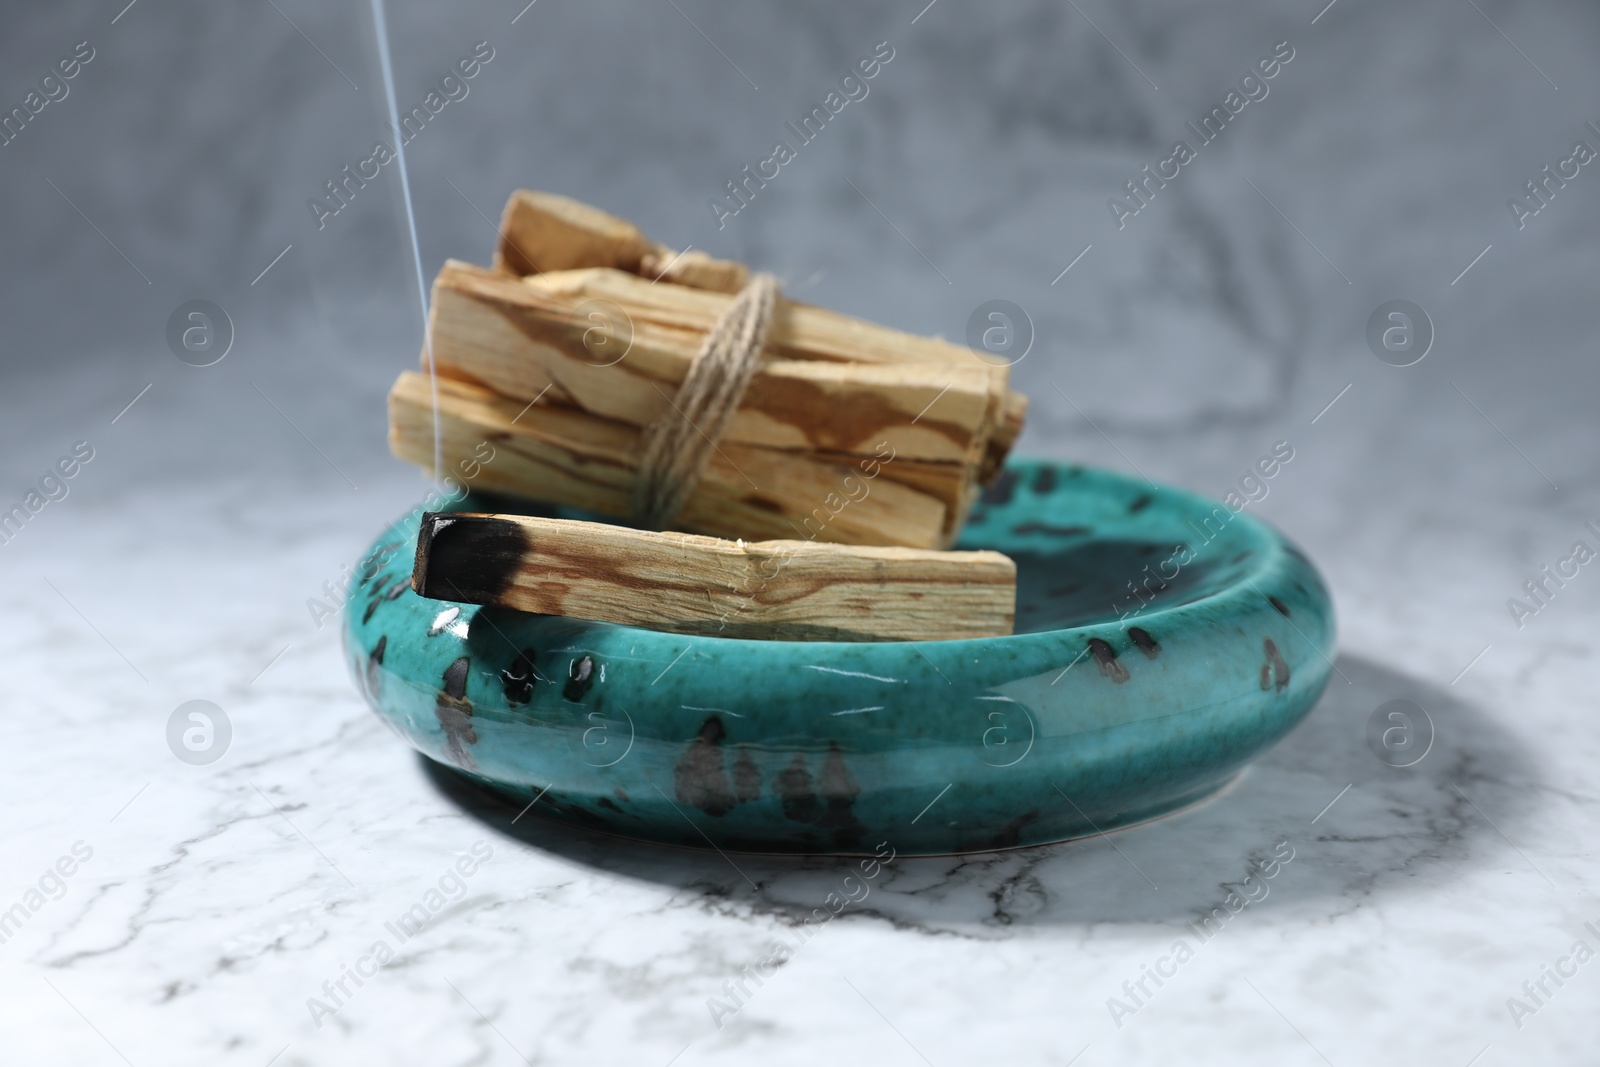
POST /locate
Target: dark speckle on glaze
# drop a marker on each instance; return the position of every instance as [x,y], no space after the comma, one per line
[795,788]
[518,679]
[1274,672]
[582,814]
[1283,609]
[1010,835]
[839,790]
[699,779]
[1140,503]
[373,564]
[580,678]
[455,678]
[1022,529]
[1106,656]
[372,606]
[1144,642]
[746,778]
[454,712]
[1044,480]
[1002,490]
[375,661]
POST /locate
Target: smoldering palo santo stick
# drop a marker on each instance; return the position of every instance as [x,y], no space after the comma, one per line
[687,583]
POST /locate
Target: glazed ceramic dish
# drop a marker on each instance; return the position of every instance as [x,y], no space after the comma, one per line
[1162,642]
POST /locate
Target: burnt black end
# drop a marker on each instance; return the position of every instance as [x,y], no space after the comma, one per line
[467,557]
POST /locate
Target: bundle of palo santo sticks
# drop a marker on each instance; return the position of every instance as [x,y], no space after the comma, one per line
[850,451]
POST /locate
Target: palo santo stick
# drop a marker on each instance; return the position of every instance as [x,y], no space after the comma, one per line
[695,269]
[522,339]
[1005,435]
[803,332]
[829,384]
[543,232]
[682,583]
[799,331]
[568,457]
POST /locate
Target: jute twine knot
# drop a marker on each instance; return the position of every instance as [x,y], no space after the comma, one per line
[679,444]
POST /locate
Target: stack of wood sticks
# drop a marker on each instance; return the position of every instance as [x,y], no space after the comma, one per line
[568,350]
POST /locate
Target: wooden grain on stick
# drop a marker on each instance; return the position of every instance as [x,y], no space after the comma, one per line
[544,232]
[1005,435]
[601,325]
[694,269]
[522,338]
[683,583]
[552,453]
[807,333]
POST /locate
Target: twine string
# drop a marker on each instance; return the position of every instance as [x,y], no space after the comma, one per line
[679,444]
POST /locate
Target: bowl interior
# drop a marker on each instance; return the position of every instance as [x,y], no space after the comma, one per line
[1090,548]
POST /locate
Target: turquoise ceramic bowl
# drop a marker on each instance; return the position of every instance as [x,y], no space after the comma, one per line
[1162,642]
